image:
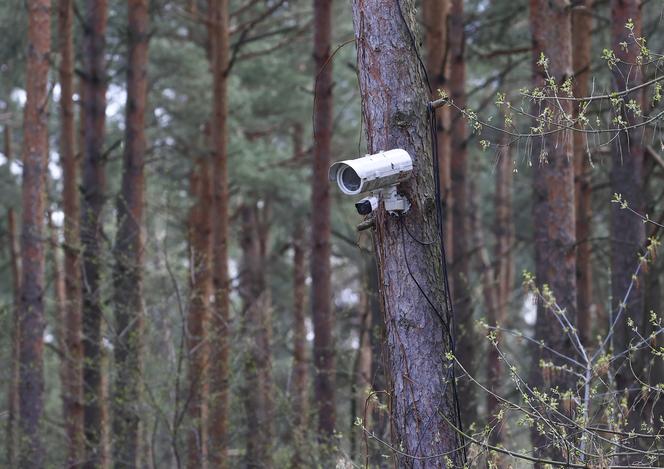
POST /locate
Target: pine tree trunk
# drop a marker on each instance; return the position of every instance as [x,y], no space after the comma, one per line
[463,312]
[361,384]
[73,346]
[93,187]
[60,319]
[321,298]
[581,47]
[491,293]
[128,252]
[394,106]
[627,231]
[219,350]
[58,282]
[256,332]
[198,318]
[12,391]
[553,205]
[35,159]
[300,396]
[503,279]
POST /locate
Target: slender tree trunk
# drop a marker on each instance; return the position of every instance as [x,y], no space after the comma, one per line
[73,346]
[361,383]
[128,275]
[12,391]
[321,299]
[581,56]
[256,330]
[627,231]
[380,412]
[12,388]
[491,294]
[436,14]
[93,187]
[35,158]
[504,232]
[394,106]
[465,336]
[219,350]
[503,279]
[198,320]
[60,318]
[300,395]
[553,205]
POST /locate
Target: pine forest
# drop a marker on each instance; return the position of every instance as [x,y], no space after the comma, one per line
[331,234]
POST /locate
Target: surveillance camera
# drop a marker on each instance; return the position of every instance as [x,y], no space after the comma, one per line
[379,174]
[372,172]
[367,205]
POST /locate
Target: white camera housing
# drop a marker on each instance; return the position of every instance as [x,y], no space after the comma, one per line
[379,173]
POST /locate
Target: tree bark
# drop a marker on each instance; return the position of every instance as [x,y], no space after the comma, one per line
[581,57]
[198,317]
[219,350]
[321,288]
[93,189]
[627,231]
[553,205]
[35,160]
[257,333]
[394,107]
[128,252]
[73,346]
[465,335]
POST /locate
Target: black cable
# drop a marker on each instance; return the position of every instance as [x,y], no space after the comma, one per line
[433,125]
[415,49]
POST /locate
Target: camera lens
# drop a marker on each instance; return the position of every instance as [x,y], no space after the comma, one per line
[350,179]
[363,207]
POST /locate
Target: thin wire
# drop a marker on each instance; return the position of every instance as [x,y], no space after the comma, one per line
[415,49]
[433,125]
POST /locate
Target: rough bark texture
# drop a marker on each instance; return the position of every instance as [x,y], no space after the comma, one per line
[258,398]
[581,41]
[553,201]
[35,160]
[219,349]
[465,337]
[93,186]
[73,346]
[394,107]
[198,316]
[321,298]
[12,385]
[435,18]
[627,231]
[128,252]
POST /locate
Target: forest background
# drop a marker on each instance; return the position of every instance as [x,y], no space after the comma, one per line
[181,285]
